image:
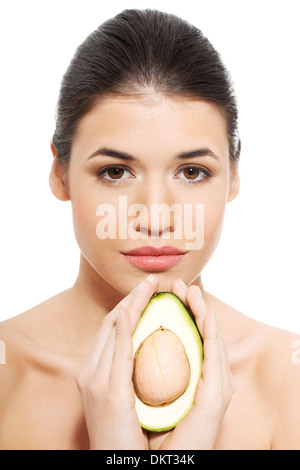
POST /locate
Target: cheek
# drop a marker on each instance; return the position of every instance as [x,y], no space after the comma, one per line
[84,220]
[98,253]
[214,212]
[85,199]
[86,204]
[213,223]
[209,224]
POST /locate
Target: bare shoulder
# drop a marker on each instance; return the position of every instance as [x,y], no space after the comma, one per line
[266,363]
[36,372]
[20,339]
[33,326]
[275,357]
[17,349]
[279,376]
[33,335]
[276,370]
[20,333]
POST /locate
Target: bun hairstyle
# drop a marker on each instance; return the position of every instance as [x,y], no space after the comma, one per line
[139,51]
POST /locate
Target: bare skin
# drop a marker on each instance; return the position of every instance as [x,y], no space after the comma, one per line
[41,407]
[47,400]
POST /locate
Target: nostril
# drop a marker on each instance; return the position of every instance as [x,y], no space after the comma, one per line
[156,220]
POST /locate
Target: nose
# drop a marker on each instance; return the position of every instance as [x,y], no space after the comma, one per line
[157,214]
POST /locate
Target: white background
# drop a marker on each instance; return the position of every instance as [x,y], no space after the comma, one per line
[256,266]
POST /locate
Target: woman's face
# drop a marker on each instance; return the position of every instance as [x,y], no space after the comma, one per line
[154,153]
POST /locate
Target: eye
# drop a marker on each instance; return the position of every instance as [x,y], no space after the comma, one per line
[114,174]
[193,174]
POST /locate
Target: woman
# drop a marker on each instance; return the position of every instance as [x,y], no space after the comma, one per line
[147,116]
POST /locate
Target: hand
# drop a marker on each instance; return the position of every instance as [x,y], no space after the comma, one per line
[200,427]
[105,381]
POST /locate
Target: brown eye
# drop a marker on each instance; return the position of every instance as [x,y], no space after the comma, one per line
[191,172]
[115,173]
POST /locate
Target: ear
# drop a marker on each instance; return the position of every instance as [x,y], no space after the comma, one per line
[58,178]
[234,184]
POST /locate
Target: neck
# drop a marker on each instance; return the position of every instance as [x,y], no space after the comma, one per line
[93,297]
[95,289]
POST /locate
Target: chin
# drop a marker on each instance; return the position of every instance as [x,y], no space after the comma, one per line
[165,279]
[164,285]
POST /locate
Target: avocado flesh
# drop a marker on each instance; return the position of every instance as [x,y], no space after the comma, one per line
[166,310]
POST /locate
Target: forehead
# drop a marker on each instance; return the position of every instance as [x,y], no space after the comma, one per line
[158,124]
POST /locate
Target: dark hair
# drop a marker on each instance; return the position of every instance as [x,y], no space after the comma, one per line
[135,51]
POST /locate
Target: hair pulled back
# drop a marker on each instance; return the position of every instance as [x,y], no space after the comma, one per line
[141,50]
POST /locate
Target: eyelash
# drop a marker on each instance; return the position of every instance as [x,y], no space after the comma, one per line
[103,171]
[206,174]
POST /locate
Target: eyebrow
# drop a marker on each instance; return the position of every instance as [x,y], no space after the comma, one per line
[109,152]
[202,152]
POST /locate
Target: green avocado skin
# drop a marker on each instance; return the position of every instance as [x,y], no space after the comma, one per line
[176,299]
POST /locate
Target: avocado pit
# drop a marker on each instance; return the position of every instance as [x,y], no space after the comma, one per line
[161,372]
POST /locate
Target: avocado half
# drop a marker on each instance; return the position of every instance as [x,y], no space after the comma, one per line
[165,310]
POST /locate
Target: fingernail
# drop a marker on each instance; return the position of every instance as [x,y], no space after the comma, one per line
[181,283]
[150,278]
[215,325]
[216,315]
[217,318]
[139,287]
[117,312]
[199,290]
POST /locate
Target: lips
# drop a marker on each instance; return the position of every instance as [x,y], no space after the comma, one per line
[153,251]
[154,259]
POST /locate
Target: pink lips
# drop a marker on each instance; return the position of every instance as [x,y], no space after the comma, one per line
[151,258]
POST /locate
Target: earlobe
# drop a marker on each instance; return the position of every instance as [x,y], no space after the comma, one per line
[57,178]
[234,185]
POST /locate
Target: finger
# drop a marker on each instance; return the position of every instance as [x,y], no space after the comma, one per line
[121,371]
[207,409]
[198,306]
[212,344]
[104,365]
[126,302]
[101,338]
[179,288]
[228,378]
[212,372]
[136,301]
